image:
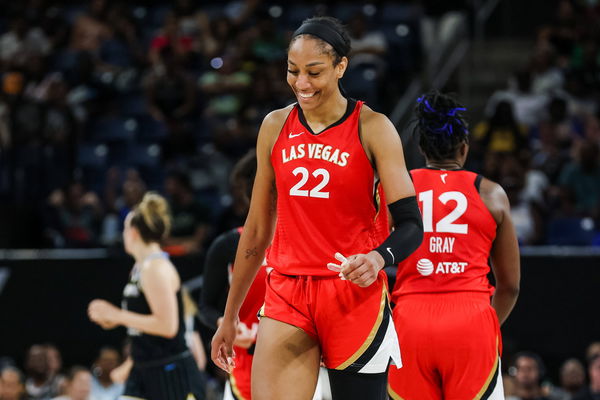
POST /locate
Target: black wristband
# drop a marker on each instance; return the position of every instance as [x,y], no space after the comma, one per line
[407,234]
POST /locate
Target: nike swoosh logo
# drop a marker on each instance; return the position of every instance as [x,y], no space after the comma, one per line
[293,135]
[389,249]
[443,177]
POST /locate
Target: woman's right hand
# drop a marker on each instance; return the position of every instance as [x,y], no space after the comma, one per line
[221,351]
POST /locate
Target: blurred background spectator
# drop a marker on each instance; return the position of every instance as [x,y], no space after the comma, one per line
[528,371]
[11,384]
[102,385]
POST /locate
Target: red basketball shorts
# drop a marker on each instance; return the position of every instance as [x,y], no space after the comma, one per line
[352,325]
[240,377]
[450,348]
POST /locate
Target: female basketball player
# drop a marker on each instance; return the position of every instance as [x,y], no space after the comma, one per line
[217,275]
[314,202]
[449,331]
[163,367]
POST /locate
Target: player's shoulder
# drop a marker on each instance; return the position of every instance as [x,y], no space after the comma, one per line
[277,118]
[494,197]
[376,130]
[272,125]
[370,118]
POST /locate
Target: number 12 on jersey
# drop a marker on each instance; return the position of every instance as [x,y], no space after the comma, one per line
[446,224]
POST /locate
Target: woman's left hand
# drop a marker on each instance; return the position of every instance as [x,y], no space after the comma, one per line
[103,313]
[360,269]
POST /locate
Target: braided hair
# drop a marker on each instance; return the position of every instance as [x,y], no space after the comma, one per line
[441,126]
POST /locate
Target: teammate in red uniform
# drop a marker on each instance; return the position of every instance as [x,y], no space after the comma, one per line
[314,191]
[217,275]
[448,330]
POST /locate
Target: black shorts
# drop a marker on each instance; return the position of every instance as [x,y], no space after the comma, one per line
[174,378]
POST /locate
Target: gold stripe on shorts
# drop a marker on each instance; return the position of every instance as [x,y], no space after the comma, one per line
[261,311]
[490,376]
[234,389]
[130,398]
[371,335]
[394,395]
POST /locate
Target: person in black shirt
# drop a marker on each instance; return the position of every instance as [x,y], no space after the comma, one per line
[162,367]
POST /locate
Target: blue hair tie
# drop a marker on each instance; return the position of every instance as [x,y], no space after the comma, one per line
[447,127]
[453,111]
[423,100]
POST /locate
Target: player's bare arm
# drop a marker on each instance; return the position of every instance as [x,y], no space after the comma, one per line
[505,250]
[256,237]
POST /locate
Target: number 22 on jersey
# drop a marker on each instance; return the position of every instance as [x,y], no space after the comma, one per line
[447,223]
[317,191]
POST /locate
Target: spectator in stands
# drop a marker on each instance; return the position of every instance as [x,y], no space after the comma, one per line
[580,98]
[266,42]
[171,97]
[501,133]
[11,384]
[190,219]
[368,46]
[172,36]
[120,197]
[40,384]
[60,135]
[21,42]
[581,179]
[73,216]
[592,350]
[572,381]
[592,391]
[103,387]
[440,19]
[528,370]
[367,65]
[55,364]
[561,34]
[527,106]
[546,76]
[526,215]
[78,385]
[219,38]
[559,131]
[91,28]
[225,86]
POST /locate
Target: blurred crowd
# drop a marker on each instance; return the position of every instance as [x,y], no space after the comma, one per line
[540,136]
[43,377]
[101,100]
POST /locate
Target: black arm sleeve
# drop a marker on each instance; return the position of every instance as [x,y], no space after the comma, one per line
[213,297]
[407,234]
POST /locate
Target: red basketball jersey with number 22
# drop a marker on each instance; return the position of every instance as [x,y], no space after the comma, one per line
[325,195]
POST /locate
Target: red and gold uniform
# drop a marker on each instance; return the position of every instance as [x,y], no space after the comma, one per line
[326,204]
[445,323]
[240,377]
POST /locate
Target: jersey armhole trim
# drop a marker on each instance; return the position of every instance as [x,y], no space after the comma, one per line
[477,182]
[294,106]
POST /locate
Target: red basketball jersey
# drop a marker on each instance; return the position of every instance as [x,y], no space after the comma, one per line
[458,235]
[325,195]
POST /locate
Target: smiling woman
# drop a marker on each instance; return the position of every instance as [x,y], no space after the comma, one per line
[317,199]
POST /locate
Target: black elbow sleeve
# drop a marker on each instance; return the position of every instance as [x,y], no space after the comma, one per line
[407,234]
